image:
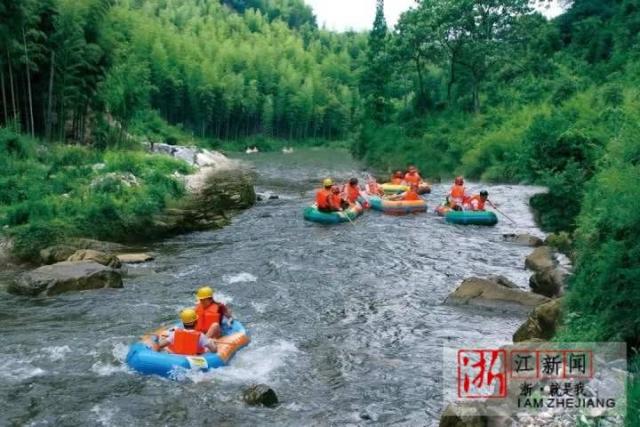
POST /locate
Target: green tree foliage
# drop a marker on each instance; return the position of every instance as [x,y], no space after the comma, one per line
[376,72]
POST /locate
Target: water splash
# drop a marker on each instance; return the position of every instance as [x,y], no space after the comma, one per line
[240,278]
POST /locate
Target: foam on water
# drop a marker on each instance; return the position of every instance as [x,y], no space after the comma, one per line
[116,365]
[16,370]
[56,353]
[256,363]
[260,307]
[240,278]
[104,416]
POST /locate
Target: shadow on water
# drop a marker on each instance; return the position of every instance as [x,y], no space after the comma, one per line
[348,322]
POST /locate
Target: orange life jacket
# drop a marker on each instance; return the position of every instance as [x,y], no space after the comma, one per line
[457,191]
[323,198]
[476,203]
[352,192]
[335,201]
[413,178]
[186,342]
[396,181]
[411,195]
[207,317]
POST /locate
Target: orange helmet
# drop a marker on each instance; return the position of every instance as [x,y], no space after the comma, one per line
[459,181]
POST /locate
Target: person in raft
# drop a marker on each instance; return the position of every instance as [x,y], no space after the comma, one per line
[373,188]
[337,199]
[413,177]
[186,341]
[325,201]
[352,191]
[397,178]
[210,313]
[478,201]
[411,195]
[457,195]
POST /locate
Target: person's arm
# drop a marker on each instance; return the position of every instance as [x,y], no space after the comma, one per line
[162,342]
[208,344]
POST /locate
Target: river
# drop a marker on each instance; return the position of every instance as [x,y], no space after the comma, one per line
[347,322]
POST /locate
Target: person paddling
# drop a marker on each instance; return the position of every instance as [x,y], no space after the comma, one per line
[186,340]
[477,201]
[352,191]
[373,188]
[410,195]
[210,313]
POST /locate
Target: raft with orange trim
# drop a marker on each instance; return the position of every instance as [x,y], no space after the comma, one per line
[397,207]
[142,358]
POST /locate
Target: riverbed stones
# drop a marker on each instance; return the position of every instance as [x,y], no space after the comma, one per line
[523,239]
[137,258]
[462,416]
[100,257]
[540,259]
[491,293]
[65,277]
[542,323]
[260,395]
[549,282]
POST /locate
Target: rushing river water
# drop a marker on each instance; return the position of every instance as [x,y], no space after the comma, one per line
[347,322]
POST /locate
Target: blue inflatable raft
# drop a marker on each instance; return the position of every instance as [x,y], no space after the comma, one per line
[142,358]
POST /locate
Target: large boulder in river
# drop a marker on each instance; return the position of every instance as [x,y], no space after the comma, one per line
[66,276]
[137,258]
[542,323]
[549,282]
[493,293]
[540,259]
[260,395]
[100,257]
[523,239]
[56,253]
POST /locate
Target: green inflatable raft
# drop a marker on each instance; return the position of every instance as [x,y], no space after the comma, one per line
[471,218]
[311,213]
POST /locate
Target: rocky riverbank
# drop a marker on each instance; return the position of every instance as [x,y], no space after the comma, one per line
[217,188]
[550,272]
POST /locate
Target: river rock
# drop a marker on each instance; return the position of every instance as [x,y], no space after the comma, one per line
[260,395]
[66,276]
[57,253]
[492,293]
[462,416]
[549,282]
[542,322]
[523,239]
[563,242]
[135,258]
[540,259]
[97,245]
[100,257]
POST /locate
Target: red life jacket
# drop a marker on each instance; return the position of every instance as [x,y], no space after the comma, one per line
[457,192]
[186,342]
[476,203]
[413,178]
[411,195]
[323,200]
[207,317]
[353,192]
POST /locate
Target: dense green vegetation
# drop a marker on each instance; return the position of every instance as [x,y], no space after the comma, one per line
[494,91]
[49,194]
[103,75]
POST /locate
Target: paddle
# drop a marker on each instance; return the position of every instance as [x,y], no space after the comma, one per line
[502,213]
[346,215]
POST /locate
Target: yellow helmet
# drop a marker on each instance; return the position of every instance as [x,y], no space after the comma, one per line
[327,182]
[188,316]
[204,292]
